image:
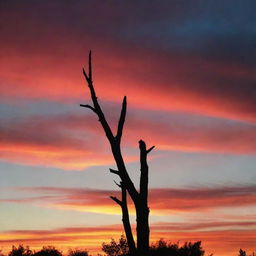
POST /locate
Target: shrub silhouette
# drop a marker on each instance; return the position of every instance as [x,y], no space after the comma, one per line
[116,248]
[165,248]
[243,253]
[159,248]
[77,252]
[193,249]
[48,251]
[20,251]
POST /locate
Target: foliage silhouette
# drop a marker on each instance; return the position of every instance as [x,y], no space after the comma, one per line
[121,248]
[77,252]
[193,249]
[48,251]
[20,251]
[243,253]
[160,248]
[116,248]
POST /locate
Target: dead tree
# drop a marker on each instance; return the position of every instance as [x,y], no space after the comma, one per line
[139,197]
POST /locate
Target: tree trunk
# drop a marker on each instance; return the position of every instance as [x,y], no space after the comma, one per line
[126,223]
[142,210]
[142,213]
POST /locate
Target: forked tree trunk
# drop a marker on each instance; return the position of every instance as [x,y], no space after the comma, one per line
[140,199]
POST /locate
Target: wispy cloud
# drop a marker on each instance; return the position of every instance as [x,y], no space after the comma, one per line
[162,201]
[76,141]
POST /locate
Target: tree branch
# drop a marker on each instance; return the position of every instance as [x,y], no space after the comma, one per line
[114,171]
[126,221]
[88,106]
[150,149]
[119,185]
[86,77]
[116,200]
[96,105]
[90,65]
[121,120]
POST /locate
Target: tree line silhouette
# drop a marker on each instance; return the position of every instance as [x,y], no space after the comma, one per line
[45,251]
[121,248]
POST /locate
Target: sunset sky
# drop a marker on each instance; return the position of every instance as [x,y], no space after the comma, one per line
[188,69]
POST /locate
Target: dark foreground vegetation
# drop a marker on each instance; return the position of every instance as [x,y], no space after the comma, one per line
[120,248]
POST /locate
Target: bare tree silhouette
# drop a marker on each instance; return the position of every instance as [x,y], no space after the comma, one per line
[139,198]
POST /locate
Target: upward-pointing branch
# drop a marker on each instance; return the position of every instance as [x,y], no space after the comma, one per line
[89,76]
[121,121]
[88,106]
[90,65]
[96,108]
[144,169]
